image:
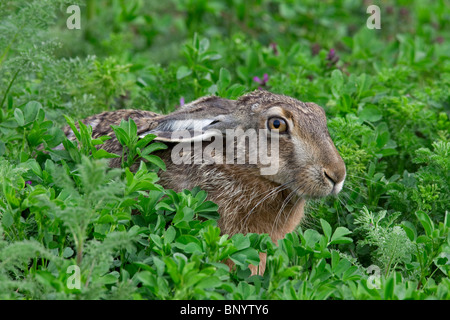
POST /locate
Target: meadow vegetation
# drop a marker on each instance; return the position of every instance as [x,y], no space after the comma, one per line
[386,95]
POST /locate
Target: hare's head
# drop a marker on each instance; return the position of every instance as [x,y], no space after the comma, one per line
[307,159]
[307,153]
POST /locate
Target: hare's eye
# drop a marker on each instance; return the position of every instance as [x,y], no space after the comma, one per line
[277,124]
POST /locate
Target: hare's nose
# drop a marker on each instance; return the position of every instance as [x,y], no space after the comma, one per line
[330,176]
[336,175]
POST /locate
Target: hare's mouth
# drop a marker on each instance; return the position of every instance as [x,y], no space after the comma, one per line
[312,190]
[314,182]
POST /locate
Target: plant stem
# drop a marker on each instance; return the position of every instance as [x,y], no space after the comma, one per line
[9,88]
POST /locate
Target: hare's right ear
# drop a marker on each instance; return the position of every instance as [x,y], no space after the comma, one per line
[198,121]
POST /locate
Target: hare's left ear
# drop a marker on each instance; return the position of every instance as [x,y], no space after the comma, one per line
[190,130]
[198,121]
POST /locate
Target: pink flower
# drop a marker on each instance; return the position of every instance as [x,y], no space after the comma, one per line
[332,57]
[331,54]
[273,45]
[315,49]
[262,82]
[181,101]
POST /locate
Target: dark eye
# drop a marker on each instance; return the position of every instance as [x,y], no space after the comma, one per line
[277,124]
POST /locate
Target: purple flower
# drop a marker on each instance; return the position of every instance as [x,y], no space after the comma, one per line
[315,49]
[28,182]
[262,82]
[332,57]
[273,45]
[331,54]
[181,103]
[404,12]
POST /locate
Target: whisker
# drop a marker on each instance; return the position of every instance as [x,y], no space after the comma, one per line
[360,177]
[272,192]
[285,202]
[295,204]
[341,201]
[351,189]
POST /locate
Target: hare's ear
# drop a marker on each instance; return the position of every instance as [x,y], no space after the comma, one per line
[197,121]
[190,130]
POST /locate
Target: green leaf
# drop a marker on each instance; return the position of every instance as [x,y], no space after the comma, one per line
[68,252]
[248,255]
[207,206]
[132,128]
[188,243]
[383,135]
[101,153]
[389,288]
[240,241]
[146,277]
[339,236]
[153,147]
[156,240]
[7,219]
[164,206]
[410,230]
[121,135]
[426,222]
[364,81]
[18,115]
[155,160]
[160,266]
[235,91]
[33,166]
[447,219]
[311,237]
[326,228]
[203,45]
[337,83]
[169,235]
[183,72]
[208,282]
[2,148]
[145,140]
[54,137]
[185,214]
[224,80]
[72,126]
[31,111]
[370,113]
[109,278]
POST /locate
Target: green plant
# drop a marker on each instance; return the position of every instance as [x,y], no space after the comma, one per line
[385,93]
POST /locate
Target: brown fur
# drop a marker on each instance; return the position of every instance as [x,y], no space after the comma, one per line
[248,201]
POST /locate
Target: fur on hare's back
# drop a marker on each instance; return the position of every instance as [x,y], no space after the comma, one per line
[309,165]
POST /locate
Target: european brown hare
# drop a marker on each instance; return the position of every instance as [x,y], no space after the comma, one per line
[294,135]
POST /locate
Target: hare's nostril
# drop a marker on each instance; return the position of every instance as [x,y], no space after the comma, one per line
[333,181]
[336,180]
